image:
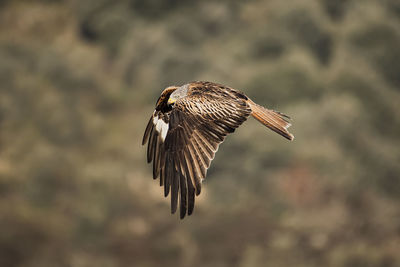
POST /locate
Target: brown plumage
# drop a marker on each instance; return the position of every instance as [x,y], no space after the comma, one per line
[186,128]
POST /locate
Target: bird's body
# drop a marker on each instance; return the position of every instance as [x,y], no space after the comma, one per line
[186,128]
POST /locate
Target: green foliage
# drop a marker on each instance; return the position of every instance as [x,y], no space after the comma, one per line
[286,83]
[374,42]
[79,80]
[335,9]
[308,31]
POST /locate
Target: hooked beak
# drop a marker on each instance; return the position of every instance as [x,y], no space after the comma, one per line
[171,100]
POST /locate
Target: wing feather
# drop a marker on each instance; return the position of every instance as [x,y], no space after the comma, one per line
[210,146]
[200,150]
[183,195]
[168,174]
[149,128]
[191,197]
[156,157]
[162,165]
[196,181]
[174,186]
[210,130]
[206,150]
[152,146]
[194,160]
[190,183]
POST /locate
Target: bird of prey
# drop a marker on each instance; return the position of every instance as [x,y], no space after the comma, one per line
[186,128]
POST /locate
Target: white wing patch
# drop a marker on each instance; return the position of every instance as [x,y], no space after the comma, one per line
[161,127]
[164,130]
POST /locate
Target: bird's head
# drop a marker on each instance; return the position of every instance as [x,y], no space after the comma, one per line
[171,100]
[177,94]
[163,99]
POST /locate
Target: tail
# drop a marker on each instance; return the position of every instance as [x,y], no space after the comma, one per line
[274,120]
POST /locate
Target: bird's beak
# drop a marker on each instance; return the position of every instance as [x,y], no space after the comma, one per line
[171,100]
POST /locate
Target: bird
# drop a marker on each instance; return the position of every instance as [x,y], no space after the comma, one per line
[186,128]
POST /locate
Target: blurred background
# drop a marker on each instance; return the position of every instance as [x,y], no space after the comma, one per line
[79,80]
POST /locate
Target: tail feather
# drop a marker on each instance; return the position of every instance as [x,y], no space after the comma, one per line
[274,120]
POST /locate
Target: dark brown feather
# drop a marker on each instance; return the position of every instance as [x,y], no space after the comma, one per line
[196,180]
[162,165]
[168,174]
[150,148]
[174,187]
[156,158]
[191,197]
[189,182]
[149,127]
[183,195]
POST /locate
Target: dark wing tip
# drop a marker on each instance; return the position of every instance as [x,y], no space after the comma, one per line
[148,130]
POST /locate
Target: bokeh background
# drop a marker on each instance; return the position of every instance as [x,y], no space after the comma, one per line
[79,80]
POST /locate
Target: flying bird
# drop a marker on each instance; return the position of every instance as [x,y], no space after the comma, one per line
[186,128]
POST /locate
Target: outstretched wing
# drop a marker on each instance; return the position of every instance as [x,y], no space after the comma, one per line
[195,127]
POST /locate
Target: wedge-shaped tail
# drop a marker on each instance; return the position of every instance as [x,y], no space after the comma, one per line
[274,120]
